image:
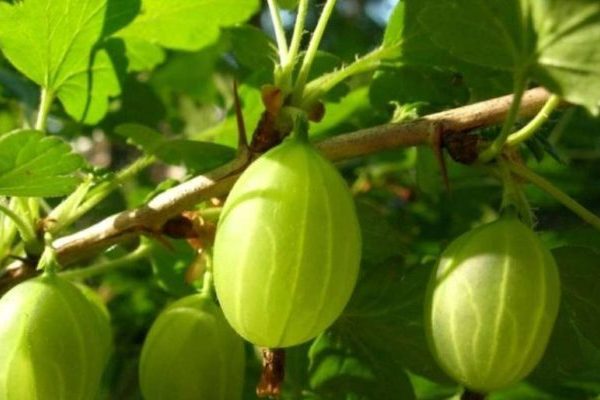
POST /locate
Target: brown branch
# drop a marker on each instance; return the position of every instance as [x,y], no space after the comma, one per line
[150,217]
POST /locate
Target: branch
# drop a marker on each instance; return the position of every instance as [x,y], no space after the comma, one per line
[150,217]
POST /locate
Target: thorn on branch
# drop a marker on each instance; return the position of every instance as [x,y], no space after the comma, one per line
[437,146]
[239,116]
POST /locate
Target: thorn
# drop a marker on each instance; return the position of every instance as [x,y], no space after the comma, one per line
[437,147]
[242,138]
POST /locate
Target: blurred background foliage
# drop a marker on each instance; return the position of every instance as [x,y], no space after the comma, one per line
[377,349]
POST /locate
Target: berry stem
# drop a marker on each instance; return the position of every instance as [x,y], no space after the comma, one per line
[558,194]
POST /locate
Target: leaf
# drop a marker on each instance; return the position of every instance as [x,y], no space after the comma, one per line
[252,47]
[410,84]
[225,132]
[35,165]
[338,371]
[195,155]
[552,41]
[170,266]
[63,49]
[188,73]
[345,116]
[385,317]
[427,172]
[140,104]
[418,49]
[580,278]
[142,55]
[187,24]
[380,240]
[573,354]
[483,32]
[88,101]
[405,29]
[568,61]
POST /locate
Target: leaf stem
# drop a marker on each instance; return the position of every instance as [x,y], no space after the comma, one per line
[25,230]
[287,66]
[311,51]
[298,32]
[99,193]
[323,84]
[531,128]
[46,99]
[496,147]
[107,266]
[558,194]
[279,31]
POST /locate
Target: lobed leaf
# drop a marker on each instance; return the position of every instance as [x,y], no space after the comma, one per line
[64,54]
[32,164]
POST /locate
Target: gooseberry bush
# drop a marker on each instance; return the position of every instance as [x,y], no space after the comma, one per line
[324,200]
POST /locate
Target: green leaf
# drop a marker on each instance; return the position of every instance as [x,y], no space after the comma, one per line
[189,73]
[35,165]
[484,32]
[346,115]
[196,156]
[187,24]
[380,240]
[339,371]
[573,354]
[404,29]
[552,41]
[580,278]
[142,55]
[427,172]
[410,84]
[225,132]
[568,61]
[385,317]
[252,47]
[58,45]
[88,101]
[170,266]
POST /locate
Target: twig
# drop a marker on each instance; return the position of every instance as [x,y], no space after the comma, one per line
[151,216]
